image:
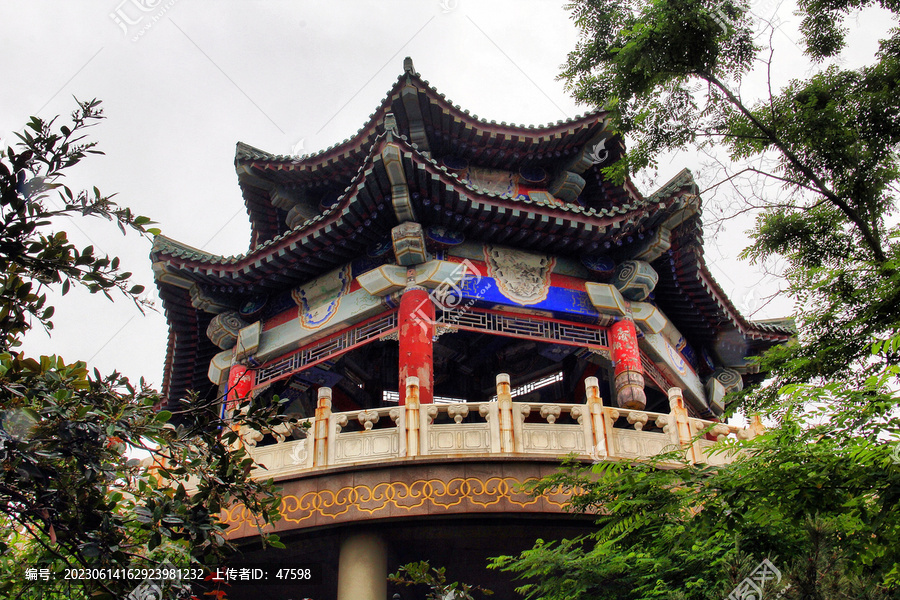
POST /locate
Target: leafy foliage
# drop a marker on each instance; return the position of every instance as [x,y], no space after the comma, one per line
[70,496]
[821,507]
[818,494]
[671,73]
[435,580]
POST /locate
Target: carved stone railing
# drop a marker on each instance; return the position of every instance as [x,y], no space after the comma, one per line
[485,429]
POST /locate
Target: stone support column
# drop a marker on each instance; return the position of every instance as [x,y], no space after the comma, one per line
[362,568]
[679,413]
[416,332]
[627,360]
[598,419]
[411,388]
[504,404]
[321,425]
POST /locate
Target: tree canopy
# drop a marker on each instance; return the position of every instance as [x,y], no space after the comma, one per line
[817,495]
[672,73]
[70,496]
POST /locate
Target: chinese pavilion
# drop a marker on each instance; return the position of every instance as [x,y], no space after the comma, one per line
[452,304]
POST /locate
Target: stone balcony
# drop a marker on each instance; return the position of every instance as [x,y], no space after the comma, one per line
[486,430]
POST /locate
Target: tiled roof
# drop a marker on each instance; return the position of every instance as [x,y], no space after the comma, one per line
[692,297]
[566,228]
[432,123]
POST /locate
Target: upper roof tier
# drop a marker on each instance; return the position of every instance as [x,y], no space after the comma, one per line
[435,127]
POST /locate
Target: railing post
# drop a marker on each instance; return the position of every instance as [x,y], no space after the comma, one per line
[504,404]
[412,416]
[682,424]
[756,425]
[323,418]
[596,418]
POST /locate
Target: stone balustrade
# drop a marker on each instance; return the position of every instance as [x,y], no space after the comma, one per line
[487,429]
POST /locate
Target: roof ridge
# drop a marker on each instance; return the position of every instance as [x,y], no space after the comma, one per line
[405,77]
[681,179]
[245,150]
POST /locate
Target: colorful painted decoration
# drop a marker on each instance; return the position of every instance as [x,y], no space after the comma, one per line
[567,186]
[723,381]
[629,374]
[381,248]
[492,181]
[252,307]
[320,299]
[409,243]
[444,237]
[454,163]
[690,355]
[522,277]
[635,279]
[240,382]
[707,359]
[328,201]
[601,265]
[676,360]
[224,328]
[533,175]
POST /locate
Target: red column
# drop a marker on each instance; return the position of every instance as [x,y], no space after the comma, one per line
[416,322]
[627,361]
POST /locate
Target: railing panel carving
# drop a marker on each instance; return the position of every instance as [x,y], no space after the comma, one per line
[589,431]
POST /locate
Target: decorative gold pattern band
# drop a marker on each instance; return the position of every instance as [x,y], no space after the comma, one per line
[458,495]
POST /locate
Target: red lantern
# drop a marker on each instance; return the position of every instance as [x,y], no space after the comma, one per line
[240,381]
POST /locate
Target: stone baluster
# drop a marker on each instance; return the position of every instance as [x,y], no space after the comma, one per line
[491,414]
[321,425]
[458,412]
[551,412]
[504,404]
[519,413]
[367,418]
[637,419]
[412,416]
[427,414]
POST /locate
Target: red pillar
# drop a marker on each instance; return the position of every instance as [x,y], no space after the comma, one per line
[627,361]
[416,321]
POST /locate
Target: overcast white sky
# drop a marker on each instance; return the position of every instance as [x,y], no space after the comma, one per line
[183,80]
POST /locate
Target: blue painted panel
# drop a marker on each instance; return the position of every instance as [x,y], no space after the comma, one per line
[561,303]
